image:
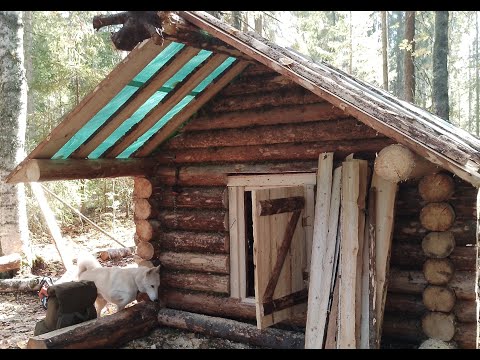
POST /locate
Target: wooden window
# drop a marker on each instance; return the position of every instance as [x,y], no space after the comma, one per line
[256,239]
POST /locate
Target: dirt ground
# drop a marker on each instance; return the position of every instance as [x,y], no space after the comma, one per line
[19,311]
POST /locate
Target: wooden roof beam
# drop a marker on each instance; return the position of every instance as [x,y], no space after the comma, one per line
[177,29]
[38,170]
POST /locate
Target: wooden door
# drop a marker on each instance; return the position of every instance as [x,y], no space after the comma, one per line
[277,225]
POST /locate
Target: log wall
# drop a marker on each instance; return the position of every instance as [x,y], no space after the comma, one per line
[406,300]
[260,124]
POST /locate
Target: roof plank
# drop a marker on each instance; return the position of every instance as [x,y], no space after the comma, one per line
[351,98]
[165,106]
[136,101]
[190,109]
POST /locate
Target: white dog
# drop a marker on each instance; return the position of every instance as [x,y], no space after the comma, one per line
[116,285]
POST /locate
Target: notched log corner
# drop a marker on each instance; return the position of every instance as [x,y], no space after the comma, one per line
[137,26]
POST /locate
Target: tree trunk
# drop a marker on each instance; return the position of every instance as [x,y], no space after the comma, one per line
[259,24]
[384,49]
[409,74]
[237,19]
[477,80]
[350,45]
[13,97]
[440,71]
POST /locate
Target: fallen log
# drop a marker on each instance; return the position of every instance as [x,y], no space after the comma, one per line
[10,262]
[105,332]
[231,329]
[21,285]
[111,254]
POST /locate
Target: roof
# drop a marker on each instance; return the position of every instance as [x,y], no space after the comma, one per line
[161,83]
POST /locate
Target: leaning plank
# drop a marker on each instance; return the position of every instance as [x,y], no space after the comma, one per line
[231,329]
[384,215]
[105,332]
[346,338]
[63,250]
[21,285]
[320,271]
[10,262]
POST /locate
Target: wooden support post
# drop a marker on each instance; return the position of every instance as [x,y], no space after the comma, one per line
[63,250]
[320,270]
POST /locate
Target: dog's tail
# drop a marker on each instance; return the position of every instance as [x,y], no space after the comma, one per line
[86,261]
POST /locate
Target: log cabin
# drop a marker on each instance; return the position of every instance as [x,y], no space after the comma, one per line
[234,144]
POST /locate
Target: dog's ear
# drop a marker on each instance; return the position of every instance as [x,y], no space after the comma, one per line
[158,269]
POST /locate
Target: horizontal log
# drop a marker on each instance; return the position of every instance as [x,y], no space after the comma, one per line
[438,271]
[110,254]
[144,209]
[230,329]
[104,332]
[439,244]
[407,229]
[29,284]
[175,28]
[436,187]
[218,263]
[148,250]
[438,325]
[411,257]
[201,220]
[195,241]
[272,116]
[413,282]
[342,129]
[281,205]
[208,304]
[363,148]
[258,84]
[10,262]
[217,305]
[439,298]
[401,328]
[146,230]
[194,197]
[142,187]
[463,202]
[412,306]
[256,69]
[437,216]
[38,170]
[297,95]
[216,175]
[398,163]
[196,281]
